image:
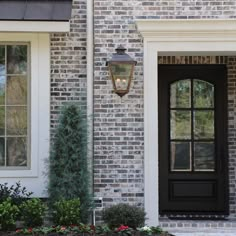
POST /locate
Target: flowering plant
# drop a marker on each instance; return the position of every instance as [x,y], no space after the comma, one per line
[146,230]
[124,229]
[150,230]
[84,229]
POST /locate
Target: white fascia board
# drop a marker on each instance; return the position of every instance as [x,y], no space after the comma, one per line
[190,29]
[34,26]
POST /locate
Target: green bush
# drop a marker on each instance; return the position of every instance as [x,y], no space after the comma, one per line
[8,214]
[32,212]
[66,212]
[124,214]
[17,193]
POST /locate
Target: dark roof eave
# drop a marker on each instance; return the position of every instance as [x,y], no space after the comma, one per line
[35,10]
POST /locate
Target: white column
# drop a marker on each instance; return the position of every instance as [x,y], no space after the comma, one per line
[150,135]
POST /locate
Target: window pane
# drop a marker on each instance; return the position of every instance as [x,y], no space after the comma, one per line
[180,125]
[121,74]
[180,156]
[2,89]
[180,96]
[16,59]
[16,152]
[13,104]
[203,93]
[16,90]
[2,152]
[2,120]
[204,156]
[2,60]
[203,124]
[16,120]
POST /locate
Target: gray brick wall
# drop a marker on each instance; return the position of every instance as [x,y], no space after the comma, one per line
[232,133]
[118,123]
[68,63]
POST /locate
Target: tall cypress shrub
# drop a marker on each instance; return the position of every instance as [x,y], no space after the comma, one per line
[68,165]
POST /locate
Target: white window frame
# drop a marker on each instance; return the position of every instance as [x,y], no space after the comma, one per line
[39,47]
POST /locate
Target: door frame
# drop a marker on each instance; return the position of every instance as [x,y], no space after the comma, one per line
[173,37]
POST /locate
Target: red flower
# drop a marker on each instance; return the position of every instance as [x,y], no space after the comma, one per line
[18,230]
[122,227]
[30,230]
[63,228]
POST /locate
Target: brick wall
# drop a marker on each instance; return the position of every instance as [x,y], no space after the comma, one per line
[118,123]
[231,65]
[68,63]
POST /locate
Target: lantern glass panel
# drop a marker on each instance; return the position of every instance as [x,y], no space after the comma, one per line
[121,74]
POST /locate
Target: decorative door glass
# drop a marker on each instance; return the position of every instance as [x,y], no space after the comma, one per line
[192,129]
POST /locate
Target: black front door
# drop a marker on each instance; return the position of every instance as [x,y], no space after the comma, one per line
[193,139]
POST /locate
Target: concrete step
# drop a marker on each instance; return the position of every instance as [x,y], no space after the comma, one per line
[199,227]
[200,232]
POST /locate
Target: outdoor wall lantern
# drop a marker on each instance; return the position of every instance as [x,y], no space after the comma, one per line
[121,67]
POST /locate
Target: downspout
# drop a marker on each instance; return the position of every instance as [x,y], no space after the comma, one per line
[90,91]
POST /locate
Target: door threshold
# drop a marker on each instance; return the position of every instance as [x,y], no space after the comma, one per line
[200,217]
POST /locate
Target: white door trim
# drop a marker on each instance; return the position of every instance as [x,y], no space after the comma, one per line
[173,37]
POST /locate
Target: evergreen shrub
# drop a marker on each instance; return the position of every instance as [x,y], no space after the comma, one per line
[68,166]
[124,214]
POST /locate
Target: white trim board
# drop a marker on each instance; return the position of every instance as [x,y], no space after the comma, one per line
[173,37]
[35,26]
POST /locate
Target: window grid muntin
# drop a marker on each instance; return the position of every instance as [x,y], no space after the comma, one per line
[192,140]
[27,106]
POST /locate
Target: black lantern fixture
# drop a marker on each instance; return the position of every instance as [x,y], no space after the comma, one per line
[121,67]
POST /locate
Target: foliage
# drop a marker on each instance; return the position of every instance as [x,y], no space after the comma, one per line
[124,214]
[156,230]
[8,214]
[102,229]
[124,230]
[66,212]
[146,230]
[17,193]
[32,212]
[82,229]
[150,230]
[68,167]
